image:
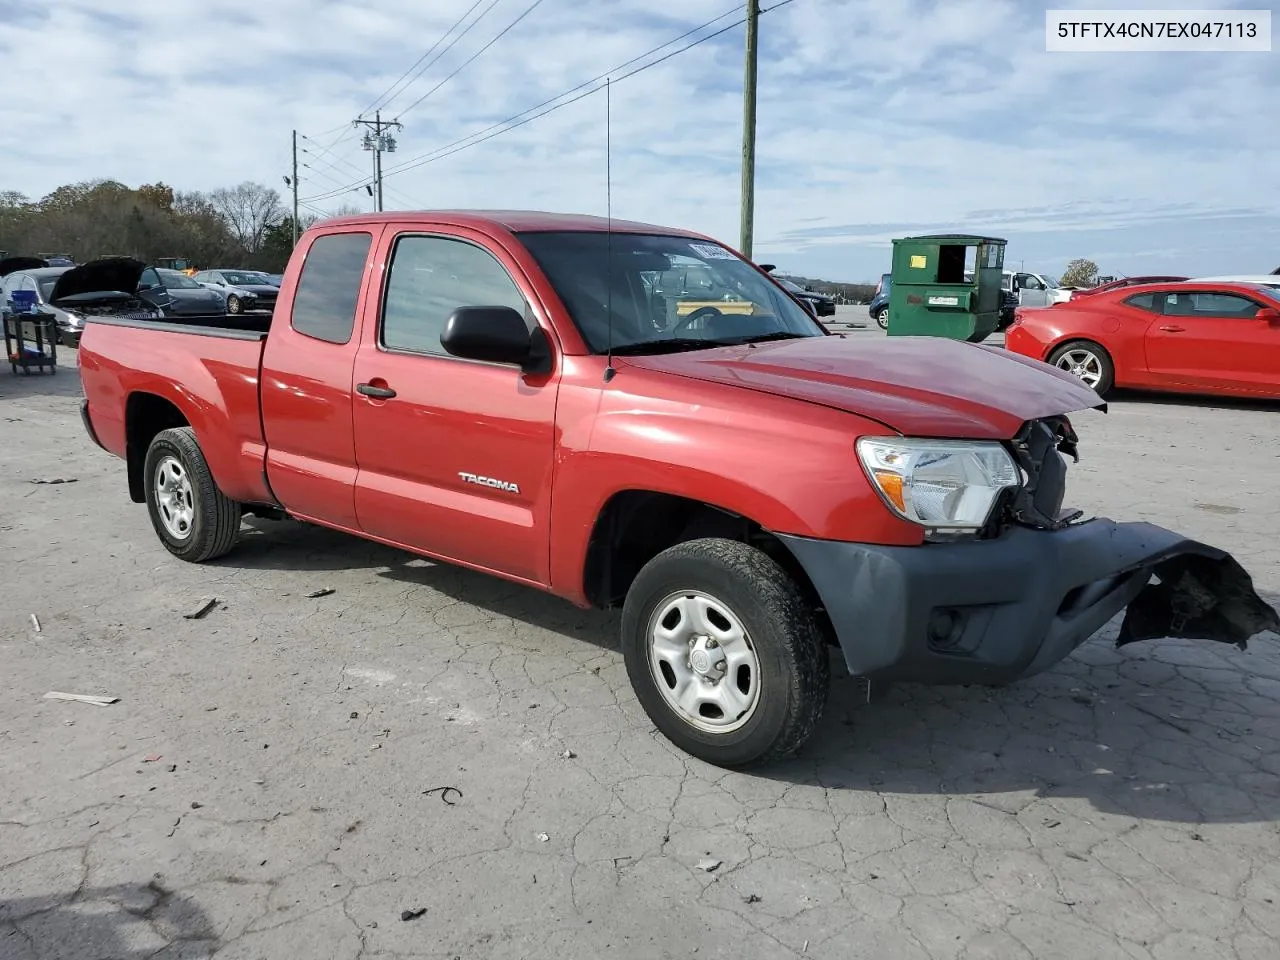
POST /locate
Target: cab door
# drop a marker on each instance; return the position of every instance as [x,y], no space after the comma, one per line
[1213,340]
[455,457]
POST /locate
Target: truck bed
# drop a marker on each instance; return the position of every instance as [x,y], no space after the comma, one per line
[208,366]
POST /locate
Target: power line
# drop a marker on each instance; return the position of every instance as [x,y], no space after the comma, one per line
[381,102]
[505,30]
[536,112]
[419,71]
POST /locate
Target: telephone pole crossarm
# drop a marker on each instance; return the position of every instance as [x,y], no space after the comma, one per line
[377,141]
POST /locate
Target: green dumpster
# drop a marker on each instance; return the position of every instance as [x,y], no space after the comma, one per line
[947,285]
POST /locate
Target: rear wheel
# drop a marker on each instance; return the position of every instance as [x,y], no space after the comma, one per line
[882,319]
[191,516]
[1089,362]
[724,653]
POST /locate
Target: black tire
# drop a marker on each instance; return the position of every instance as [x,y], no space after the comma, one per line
[784,633]
[234,305]
[1106,366]
[215,524]
[882,319]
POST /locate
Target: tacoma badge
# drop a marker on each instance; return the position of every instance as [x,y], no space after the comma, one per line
[506,485]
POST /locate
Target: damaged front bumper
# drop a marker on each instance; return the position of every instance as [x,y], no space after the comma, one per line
[994,611]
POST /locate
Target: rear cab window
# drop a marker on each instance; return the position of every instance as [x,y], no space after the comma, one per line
[328,292]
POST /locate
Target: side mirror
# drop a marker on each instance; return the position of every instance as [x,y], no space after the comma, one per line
[768,267]
[495,335]
[1270,314]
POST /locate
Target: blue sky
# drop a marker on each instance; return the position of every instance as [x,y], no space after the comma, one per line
[877,119]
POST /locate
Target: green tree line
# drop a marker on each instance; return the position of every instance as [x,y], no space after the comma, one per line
[241,226]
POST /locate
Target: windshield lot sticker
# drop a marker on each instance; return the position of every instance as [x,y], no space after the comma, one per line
[708,252]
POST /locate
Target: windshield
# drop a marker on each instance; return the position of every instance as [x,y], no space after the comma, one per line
[1267,290]
[663,291]
[239,278]
[46,285]
[177,281]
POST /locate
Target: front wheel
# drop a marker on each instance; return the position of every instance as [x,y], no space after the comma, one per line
[234,305]
[882,319]
[193,518]
[724,653]
[1087,361]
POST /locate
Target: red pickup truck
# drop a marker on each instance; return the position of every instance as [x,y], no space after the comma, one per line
[545,398]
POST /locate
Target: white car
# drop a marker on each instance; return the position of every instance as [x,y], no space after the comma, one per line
[1034,289]
[1267,280]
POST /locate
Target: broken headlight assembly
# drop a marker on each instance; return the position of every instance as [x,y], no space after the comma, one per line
[950,487]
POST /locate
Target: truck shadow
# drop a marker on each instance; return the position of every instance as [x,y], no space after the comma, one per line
[1179,731]
[124,922]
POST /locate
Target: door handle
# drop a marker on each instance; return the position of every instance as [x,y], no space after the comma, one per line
[1172,328]
[372,390]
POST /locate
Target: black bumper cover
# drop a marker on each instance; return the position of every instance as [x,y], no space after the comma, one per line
[995,611]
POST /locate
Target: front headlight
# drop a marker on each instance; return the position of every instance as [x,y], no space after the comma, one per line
[939,484]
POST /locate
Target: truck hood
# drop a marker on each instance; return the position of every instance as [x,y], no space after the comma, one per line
[109,275]
[919,386]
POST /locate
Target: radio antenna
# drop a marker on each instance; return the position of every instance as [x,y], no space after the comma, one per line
[609,372]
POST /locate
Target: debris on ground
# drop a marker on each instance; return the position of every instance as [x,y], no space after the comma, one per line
[751,898]
[201,609]
[322,592]
[172,768]
[196,805]
[35,623]
[355,715]
[407,915]
[568,755]
[709,865]
[444,793]
[54,480]
[151,758]
[544,837]
[81,698]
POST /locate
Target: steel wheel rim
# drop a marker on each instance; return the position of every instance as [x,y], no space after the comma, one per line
[703,662]
[175,500]
[1083,364]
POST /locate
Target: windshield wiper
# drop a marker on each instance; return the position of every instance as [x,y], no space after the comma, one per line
[668,345]
[764,337]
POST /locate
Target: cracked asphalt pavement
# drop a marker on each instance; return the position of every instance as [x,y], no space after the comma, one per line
[270,783]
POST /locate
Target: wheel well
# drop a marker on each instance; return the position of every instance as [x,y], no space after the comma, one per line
[145,415]
[1067,341]
[636,525]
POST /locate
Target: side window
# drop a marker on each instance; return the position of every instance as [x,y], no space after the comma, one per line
[1198,304]
[149,278]
[1143,301]
[324,304]
[430,277]
[1028,282]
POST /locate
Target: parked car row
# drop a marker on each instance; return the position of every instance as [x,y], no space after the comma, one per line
[144,291]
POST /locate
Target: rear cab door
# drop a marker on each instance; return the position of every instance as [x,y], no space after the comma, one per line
[306,374]
[457,463]
[1212,339]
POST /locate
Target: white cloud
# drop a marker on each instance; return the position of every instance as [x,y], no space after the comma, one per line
[875,119]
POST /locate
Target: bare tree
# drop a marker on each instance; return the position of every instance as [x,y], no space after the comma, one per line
[249,210]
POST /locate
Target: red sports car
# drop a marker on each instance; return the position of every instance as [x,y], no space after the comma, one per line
[1190,337]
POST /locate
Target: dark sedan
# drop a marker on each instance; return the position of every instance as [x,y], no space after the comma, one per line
[819,303]
[190,297]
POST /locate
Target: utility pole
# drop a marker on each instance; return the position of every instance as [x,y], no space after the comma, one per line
[295,188]
[376,142]
[748,211]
